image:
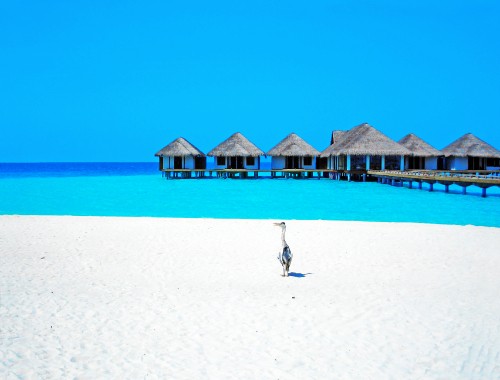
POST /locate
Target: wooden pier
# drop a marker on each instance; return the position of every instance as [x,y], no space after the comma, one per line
[483,179]
[263,173]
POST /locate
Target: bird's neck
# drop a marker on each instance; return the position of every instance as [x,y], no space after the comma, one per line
[283,242]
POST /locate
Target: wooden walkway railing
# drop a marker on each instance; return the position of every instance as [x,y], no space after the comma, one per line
[480,178]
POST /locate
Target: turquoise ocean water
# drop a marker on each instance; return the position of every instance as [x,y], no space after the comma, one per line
[138,189]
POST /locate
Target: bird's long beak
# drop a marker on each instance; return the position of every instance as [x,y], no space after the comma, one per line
[277,224]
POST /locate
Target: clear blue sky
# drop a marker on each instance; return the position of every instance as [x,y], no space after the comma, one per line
[118,80]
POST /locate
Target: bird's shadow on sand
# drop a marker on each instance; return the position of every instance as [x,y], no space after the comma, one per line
[298,275]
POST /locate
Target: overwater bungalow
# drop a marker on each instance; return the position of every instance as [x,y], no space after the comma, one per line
[181,154]
[236,152]
[293,153]
[364,148]
[423,155]
[471,153]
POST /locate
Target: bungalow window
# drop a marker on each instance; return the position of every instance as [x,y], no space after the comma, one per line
[308,161]
[221,161]
[250,161]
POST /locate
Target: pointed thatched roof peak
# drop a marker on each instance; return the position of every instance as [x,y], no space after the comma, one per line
[293,145]
[470,145]
[236,145]
[365,140]
[419,147]
[180,147]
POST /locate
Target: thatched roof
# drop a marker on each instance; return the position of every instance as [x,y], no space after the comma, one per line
[365,140]
[419,147]
[236,145]
[470,145]
[337,136]
[180,147]
[293,145]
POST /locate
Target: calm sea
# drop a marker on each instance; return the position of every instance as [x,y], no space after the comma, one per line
[138,189]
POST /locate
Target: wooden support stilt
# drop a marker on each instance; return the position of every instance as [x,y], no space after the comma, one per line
[483,192]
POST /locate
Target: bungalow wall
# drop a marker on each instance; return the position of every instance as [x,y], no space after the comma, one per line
[472,163]
[277,163]
[457,163]
[186,162]
[362,162]
[252,163]
[306,160]
[220,162]
[416,162]
[308,163]
[247,163]
[431,163]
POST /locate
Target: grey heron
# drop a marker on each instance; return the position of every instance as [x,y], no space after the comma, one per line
[285,256]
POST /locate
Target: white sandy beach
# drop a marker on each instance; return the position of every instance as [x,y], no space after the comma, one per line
[93,297]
